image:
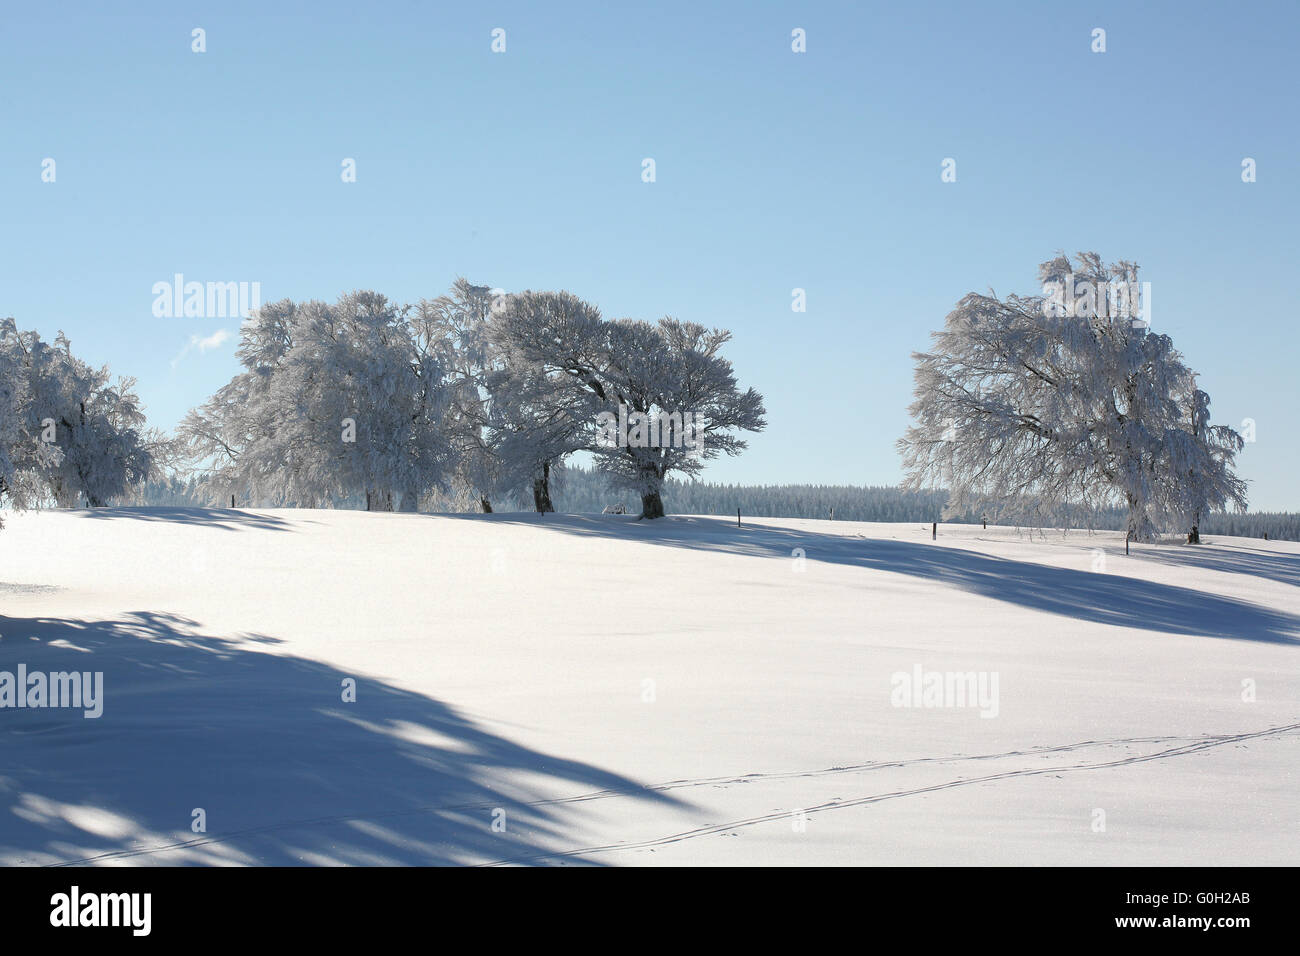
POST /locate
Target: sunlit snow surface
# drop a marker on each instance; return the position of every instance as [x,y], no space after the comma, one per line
[598,690]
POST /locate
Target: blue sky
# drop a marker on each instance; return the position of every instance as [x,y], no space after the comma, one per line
[775,170]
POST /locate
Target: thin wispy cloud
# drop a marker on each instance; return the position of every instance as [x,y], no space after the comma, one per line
[202,343]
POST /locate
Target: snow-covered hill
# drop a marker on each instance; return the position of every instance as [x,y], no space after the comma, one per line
[610,691]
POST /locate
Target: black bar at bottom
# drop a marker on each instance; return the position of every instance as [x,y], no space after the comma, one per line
[1226,905]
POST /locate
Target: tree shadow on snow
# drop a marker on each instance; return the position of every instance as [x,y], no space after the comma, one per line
[1082,594]
[228,519]
[1233,559]
[285,771]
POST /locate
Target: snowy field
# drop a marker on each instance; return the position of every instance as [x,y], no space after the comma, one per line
[615,692]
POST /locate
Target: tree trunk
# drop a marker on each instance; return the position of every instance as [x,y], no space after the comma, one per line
[542,490]
[652,506]
[1132,534]
[651,483]
[487,505]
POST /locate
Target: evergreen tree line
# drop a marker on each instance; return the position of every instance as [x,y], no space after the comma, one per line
[585,491]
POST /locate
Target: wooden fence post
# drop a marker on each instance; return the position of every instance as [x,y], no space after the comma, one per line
[934,531]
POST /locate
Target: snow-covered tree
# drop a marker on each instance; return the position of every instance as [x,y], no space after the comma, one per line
[70,433]
[640,384]
[12,398]
[1035,412]
[1198,459]
[536,420]
[336,400]
[512,423]
[454,327]
[217,435]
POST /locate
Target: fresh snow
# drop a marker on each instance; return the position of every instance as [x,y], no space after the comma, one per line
[502,664]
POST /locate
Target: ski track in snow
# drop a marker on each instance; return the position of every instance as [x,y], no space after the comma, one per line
[1197,744]
[1189,745]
